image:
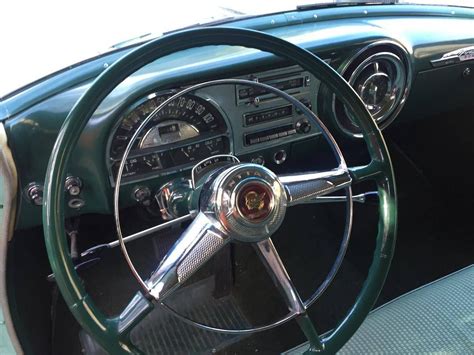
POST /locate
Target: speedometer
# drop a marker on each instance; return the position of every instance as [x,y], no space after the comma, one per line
[187,117]
[168,132]
[178,135]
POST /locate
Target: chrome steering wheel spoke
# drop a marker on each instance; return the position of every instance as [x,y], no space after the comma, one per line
[305,187]
[275,267]
[197,244]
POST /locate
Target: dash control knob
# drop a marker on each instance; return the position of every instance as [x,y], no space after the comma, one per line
[303,126]
[142,195]
[258,160]
[73,185]
[34,193]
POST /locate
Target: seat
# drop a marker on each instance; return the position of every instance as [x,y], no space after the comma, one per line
[435,318]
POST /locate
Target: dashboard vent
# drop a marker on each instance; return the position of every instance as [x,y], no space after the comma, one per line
[380,74]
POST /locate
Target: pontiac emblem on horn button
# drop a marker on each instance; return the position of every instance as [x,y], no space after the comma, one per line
[255,201]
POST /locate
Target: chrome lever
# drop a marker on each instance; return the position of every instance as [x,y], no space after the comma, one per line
[371,196]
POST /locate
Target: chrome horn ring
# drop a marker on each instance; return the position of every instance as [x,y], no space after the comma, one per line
[225,216]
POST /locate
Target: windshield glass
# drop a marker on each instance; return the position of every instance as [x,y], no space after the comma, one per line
[40,37]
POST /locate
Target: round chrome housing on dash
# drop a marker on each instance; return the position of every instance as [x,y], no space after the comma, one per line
[381,75]
[380,81]
[249,202]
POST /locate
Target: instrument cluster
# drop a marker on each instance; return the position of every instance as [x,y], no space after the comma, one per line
[181,134]
[238,119]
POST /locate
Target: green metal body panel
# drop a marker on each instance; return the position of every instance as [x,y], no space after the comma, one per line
[336,34]
[105,330]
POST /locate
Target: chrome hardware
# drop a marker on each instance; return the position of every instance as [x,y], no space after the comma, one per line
[174,198]
[383,87]
[391,67]
[258,160]
[248,201]
[453,57]
[34,193]
[197,171]
[142,195]
[139,235]
[280,157]
[154,229]
[361,198]
[303,187]
[256,101]
[466,72]
[242,202]
[273,263]
[73,185]
[303,126]
[183,260]
[76,203]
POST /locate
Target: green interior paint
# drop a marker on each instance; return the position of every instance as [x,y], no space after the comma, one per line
[106,330]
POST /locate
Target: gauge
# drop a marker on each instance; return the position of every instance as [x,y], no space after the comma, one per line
[168,132]
[185,118]
[167,161]
[182,133]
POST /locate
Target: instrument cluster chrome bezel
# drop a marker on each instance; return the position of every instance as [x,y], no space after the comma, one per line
[109,161]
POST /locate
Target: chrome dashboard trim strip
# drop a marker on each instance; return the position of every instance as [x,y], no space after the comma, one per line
[457,56]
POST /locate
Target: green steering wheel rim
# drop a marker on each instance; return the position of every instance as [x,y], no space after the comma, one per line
[105,330]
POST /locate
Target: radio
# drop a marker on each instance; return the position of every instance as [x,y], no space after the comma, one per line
[301,126]
[269,120]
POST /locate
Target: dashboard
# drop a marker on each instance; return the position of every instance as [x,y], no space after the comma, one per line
[393,56]
[225,119]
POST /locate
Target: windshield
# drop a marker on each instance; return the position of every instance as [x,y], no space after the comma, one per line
[44,36]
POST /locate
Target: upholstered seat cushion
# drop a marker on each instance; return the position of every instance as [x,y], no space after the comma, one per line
[436,318]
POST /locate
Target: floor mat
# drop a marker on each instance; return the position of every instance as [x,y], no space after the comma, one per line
[163,333]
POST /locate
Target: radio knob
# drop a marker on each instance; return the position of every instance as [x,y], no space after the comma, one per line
[303,126]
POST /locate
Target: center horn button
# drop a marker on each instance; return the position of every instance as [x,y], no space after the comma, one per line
[249,202]
[255,201]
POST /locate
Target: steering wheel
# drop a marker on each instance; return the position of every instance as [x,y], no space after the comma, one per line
[223,214]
